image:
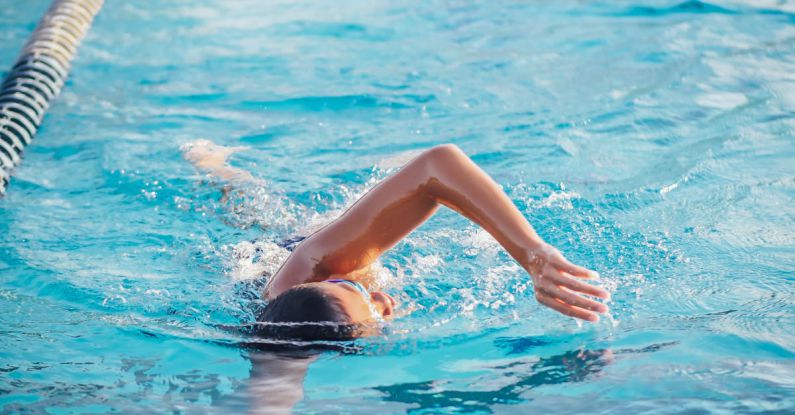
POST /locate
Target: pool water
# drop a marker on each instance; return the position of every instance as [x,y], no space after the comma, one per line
[650,141]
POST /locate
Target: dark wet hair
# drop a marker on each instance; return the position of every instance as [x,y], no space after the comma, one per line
[303,303]
[305,312]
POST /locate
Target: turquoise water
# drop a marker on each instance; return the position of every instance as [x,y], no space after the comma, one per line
[650,141]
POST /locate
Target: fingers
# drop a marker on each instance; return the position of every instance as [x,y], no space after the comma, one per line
[574,284]
[554,292]
[563,264]
[565,308]
[573,299]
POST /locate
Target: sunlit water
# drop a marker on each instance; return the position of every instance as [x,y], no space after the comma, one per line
[652,142]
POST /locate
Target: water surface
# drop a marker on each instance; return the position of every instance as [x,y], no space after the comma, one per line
[650,141]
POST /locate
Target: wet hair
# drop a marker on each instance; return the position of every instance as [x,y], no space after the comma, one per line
[305,312]
[303,303]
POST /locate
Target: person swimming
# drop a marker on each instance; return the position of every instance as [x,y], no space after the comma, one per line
[325,279]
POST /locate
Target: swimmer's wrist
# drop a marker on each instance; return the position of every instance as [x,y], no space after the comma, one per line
[536,255]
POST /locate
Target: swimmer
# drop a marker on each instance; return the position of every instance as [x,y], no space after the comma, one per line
[325,279]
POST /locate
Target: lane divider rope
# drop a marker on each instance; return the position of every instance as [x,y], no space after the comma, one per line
[38,76]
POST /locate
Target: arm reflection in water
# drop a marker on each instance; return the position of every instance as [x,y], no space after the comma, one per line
[277,381]
[527,374]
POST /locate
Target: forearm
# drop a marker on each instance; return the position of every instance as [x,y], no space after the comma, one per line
[457,182]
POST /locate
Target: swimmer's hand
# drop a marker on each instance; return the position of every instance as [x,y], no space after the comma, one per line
[558,284]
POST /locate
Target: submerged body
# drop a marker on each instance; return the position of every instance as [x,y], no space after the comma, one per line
[320,280]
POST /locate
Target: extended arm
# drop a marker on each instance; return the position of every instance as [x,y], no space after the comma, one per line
[402,202]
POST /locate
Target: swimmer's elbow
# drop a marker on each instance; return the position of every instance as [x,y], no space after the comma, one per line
[444,153]
[440,158]
[441,161]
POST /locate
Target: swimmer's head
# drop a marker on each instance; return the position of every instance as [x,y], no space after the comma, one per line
[331,303]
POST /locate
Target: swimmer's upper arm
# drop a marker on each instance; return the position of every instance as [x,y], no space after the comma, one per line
[378,220]
[296,270]
[375,223]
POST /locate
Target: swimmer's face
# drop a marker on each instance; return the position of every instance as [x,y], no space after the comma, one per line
[354,304]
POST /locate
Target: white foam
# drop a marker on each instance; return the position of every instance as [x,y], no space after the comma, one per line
[252,260]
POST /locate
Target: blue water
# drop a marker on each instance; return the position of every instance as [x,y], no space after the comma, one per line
[650,141]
